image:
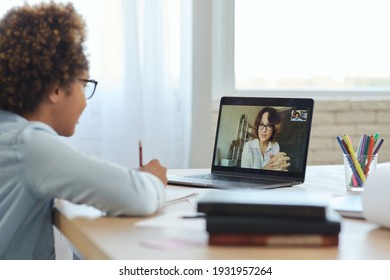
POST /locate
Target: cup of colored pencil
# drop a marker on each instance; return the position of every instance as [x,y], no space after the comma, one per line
[361,163]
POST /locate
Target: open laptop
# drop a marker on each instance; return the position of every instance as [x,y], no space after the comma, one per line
[236,126]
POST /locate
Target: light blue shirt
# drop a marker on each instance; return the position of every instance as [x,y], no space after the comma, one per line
[252,157]
[36,167]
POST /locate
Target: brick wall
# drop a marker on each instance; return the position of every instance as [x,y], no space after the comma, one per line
[352,117]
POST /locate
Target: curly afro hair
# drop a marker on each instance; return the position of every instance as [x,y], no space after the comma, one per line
[41,46]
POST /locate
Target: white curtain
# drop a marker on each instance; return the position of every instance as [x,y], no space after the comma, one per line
[140,57]
[140,53]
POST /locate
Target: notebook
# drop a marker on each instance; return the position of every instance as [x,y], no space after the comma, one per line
[349,206]
[237,160]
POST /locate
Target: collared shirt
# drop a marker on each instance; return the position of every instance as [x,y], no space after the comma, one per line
[36,167]
[252,156]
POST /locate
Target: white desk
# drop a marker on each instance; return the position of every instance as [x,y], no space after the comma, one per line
[97,237]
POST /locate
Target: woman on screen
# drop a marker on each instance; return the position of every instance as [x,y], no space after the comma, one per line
[263,152]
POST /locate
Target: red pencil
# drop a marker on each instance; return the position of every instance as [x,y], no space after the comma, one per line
[369,155]
[140,153]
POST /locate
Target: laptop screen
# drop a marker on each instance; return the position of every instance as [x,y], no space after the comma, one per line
[263,136]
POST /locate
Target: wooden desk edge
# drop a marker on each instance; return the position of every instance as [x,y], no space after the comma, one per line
[83,244]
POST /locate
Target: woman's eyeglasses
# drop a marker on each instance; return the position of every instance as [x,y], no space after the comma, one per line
[268,127]
[89,88]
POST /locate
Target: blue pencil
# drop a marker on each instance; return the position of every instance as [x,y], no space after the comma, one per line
[378,146]
[341,145]
[346,152]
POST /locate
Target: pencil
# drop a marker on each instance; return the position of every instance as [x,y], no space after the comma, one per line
[378,146]
[355,177]
[369,154]
[140,153]
[354,159]
[376,137]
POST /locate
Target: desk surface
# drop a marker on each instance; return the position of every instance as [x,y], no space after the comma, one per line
[96,237]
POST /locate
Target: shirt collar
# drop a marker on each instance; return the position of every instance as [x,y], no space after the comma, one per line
[6,116]
[10,117]
[269,146]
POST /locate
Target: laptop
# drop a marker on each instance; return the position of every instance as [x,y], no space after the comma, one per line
[237,160]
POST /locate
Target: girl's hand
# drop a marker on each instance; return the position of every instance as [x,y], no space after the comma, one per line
[154,167]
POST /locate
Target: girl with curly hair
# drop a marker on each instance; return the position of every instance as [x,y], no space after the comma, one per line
[44,84]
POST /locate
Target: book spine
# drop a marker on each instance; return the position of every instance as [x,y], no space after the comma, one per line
[293,211]
[227,239]
[224,224]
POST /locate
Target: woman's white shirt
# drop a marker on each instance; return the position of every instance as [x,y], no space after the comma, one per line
[252,157]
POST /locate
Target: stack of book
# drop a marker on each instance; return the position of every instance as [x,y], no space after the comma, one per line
[269,218]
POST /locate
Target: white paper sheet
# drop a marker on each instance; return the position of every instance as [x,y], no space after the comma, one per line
[176,220]
[179,195]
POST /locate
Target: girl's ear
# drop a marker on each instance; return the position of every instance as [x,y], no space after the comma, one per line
[55,94]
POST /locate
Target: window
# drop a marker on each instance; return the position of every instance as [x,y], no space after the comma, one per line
[303,45]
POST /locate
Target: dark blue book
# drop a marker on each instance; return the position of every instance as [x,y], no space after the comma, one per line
[273,225]
[264,203]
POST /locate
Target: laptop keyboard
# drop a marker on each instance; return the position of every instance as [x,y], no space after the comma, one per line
[231,179]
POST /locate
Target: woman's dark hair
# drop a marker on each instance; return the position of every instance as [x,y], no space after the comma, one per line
[273,119]
[41,47]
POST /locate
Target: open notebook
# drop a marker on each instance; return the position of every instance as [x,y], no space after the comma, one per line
[236,160]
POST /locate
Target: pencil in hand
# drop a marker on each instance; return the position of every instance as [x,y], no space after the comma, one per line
[140,153]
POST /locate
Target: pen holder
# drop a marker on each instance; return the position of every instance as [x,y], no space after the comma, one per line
[357,170]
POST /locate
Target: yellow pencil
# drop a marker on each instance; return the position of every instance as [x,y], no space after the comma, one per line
[354,159]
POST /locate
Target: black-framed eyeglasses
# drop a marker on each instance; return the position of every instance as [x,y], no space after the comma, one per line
[268,127]
[89,88]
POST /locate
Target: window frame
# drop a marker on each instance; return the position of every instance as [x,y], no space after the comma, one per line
[223,66]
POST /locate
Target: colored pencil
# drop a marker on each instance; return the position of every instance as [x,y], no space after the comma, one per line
[378,146]
[354,159]
[140,153]
[369,154]
[355,177]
